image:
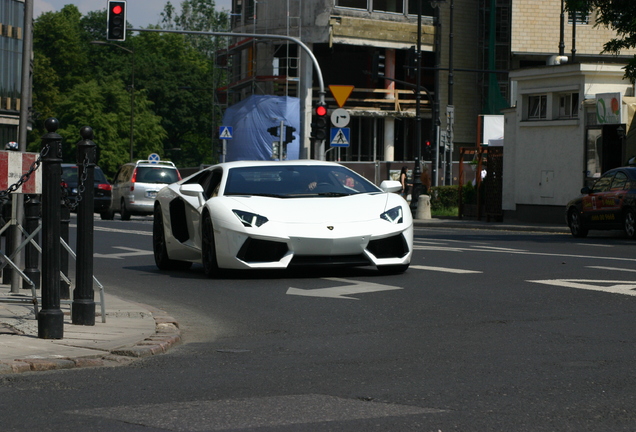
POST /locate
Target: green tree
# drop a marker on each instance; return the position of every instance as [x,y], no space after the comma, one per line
[619,16]
[58,37]
[105,107]
[84,84]
[178,78]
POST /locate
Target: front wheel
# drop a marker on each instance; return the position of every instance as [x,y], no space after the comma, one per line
[107,214]
[630,224]
[208,248]
[125,214]
[576,224]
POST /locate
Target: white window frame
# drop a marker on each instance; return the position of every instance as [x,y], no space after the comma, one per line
[568,107]
[540,102]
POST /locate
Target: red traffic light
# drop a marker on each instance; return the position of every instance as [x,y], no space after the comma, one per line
[116,24]
[321,110]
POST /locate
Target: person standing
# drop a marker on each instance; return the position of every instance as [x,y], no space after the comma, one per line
[404,181]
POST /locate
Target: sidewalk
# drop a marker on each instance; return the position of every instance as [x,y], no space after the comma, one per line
[131,330]
[498,226]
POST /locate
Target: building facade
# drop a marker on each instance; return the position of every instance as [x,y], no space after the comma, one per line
[570,123]
[345,36]
[11,46]
[478,43]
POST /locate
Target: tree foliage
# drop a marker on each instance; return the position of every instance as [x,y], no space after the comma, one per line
[85,84]
[619,16]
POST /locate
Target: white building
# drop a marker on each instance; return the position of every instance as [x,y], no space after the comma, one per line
[563,132]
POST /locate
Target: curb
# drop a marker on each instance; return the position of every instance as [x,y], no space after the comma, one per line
[167,334]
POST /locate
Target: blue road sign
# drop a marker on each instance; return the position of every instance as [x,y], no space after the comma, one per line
[225,132]
[340,137]
[153,158]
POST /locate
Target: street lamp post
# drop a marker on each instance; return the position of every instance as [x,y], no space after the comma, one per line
[435,122]
[132,92]
[417,173]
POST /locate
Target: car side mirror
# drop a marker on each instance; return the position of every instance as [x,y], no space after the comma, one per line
[391,186]
[193,190]
[586,190]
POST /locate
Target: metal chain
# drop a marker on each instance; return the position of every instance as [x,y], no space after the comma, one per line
[25,177]
[81,187]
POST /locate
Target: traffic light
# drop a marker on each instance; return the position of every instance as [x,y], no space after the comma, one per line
[428,150]
[377,67]
[273,131]
[289,134]
[320,123]
[116,26]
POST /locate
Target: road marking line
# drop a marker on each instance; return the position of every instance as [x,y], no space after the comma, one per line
[616,287]
[342,292]
[133,252]
[612,268]
[444,269]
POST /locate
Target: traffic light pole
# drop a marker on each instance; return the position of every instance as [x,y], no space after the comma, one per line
[321,83]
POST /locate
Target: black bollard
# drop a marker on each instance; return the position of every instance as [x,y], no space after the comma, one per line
[417,187]
[65,219]
[51,317]
[83,311]
[31,255]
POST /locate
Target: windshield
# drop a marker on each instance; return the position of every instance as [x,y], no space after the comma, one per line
[156,175]
[69,174]
[296,180]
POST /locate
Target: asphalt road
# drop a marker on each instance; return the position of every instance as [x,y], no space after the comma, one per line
[487,331]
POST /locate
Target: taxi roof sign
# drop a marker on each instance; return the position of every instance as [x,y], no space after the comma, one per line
[341,93]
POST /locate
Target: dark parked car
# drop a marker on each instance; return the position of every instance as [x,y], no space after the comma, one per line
[102,187]
[609,204]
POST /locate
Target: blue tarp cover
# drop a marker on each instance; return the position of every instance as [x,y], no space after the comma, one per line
[250,120]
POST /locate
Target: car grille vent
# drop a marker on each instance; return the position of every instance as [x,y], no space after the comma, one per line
[318,260]
[389,247]
[254,250]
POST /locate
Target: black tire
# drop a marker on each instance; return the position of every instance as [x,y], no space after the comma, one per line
[576,224]
[159,249]
[208,248]
[107,214]
[630,223]
[393,269]
[125,214]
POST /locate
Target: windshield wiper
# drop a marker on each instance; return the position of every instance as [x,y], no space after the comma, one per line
[271,195]
[334,194]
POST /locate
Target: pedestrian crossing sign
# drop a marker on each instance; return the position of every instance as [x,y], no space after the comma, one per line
[340,137]
[225,132]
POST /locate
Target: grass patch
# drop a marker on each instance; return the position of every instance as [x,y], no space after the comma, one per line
[445,212]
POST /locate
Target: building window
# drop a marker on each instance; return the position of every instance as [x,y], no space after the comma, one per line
[537,107]
[569,105]
[356,4]
[395,6]
[391,6]
[581,18]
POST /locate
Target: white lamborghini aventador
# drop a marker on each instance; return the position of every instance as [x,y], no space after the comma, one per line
[274,215]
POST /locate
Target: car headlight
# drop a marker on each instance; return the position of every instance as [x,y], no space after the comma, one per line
[394,216]
[250,219]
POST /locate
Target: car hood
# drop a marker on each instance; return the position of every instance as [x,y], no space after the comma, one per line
[350,208]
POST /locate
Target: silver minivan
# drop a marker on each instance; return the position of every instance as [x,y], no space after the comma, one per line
[136,185]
